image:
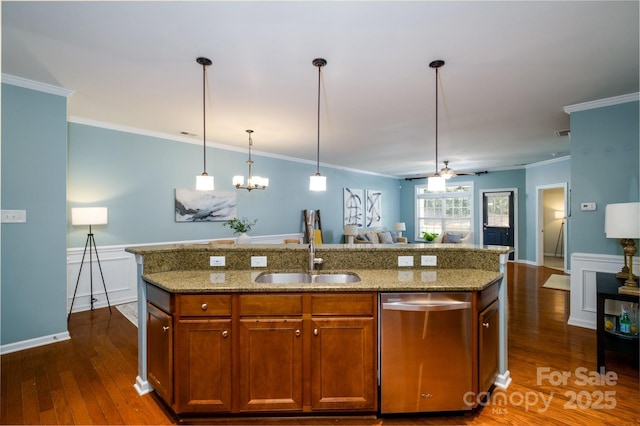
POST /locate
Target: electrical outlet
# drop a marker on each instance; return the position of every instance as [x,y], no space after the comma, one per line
[216,261]
[588,206]
[405,260]
[258,261]
[428,260]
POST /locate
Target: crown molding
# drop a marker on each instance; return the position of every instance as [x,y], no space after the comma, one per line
[36,85]
[623,99]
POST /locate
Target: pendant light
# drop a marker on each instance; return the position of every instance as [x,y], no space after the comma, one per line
[253,182]
[318,182]
[204,182]
[436,183]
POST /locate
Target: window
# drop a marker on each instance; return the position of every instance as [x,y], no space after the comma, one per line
[444,211]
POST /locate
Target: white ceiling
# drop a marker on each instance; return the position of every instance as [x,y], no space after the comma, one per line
[510,69]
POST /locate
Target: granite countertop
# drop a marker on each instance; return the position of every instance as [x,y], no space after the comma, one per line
[205,281]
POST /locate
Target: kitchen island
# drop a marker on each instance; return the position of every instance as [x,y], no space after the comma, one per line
[187,308]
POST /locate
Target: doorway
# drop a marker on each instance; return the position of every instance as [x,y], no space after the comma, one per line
[499,217]
[551,241]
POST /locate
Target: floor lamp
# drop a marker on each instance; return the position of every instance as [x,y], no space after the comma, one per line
[83,216]
[559,214]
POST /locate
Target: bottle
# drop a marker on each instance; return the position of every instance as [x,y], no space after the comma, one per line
[625,322]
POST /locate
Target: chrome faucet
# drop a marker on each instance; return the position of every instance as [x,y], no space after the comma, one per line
[313,260]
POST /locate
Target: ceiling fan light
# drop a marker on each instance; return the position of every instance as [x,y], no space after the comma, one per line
[204,182]
[436,184]
[317,183]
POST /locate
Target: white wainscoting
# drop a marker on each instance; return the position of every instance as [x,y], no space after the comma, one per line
[120,272]
[583,284]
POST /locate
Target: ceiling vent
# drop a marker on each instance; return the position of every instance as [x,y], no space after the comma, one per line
[560,133]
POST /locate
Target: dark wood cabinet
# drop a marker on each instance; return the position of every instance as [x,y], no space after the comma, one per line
[160,352]
[610,338]
[489,346]
[203,365]
[343,364]
[270,360]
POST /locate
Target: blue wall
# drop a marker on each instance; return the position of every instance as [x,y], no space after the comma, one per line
[135,176]
[34,169]
[605,166]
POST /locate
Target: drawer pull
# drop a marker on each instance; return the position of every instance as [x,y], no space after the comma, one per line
[225,333]
[315,331]
[165,328]
[485,324]
[204,306]
[297,333]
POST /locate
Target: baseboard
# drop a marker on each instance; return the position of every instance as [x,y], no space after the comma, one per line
[142,386]
[34,343]
[503,380]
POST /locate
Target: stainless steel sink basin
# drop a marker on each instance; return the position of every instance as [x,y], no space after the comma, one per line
[336,278]
[302,277]
[283,277]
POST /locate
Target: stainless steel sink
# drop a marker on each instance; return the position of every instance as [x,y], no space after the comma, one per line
[302,277]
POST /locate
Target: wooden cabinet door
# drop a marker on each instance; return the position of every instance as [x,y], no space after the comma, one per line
[203,365]
[270,364]
[343,364]
[159,352]
[489,346]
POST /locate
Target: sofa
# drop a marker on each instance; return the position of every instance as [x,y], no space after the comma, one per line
[455,237]
[378,237]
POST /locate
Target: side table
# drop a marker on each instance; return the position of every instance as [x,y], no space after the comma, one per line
[607,289]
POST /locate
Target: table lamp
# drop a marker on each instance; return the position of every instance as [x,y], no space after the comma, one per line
[399,227]
[83,216]
[622,221]
[350,231]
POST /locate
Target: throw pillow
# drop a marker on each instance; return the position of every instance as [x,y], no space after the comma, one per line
[373,237]
[394,236]
[385,237]
[451,237]
[361,237]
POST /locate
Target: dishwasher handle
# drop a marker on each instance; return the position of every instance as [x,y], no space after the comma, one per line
[448,305]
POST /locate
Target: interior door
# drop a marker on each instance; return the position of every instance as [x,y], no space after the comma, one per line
[498,219]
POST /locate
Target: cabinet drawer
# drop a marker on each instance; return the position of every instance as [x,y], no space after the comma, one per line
[488,295]
[270,304]
[204,305]
[343,304]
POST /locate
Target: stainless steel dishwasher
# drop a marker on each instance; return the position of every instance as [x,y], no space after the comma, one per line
[425,352]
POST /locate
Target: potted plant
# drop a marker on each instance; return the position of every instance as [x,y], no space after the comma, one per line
[240,227]
[429,236]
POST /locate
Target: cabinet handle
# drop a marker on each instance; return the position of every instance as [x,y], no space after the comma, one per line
[485,324]
[204,306]
[165,328]
[297,333]
[315,331]
[225,333]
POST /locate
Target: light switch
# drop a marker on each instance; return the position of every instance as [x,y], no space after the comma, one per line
[14,216]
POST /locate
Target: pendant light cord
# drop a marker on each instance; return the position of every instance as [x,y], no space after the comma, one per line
[318,143]
[204,120]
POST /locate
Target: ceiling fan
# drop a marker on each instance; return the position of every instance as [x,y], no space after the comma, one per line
[448,173]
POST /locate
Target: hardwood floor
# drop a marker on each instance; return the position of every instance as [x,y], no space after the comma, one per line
[89,379]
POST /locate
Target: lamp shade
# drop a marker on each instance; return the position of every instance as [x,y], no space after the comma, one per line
[436,184]
[399,226]
[317,183]
[88,216]
[350,230]
[559,214]
[622,220]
